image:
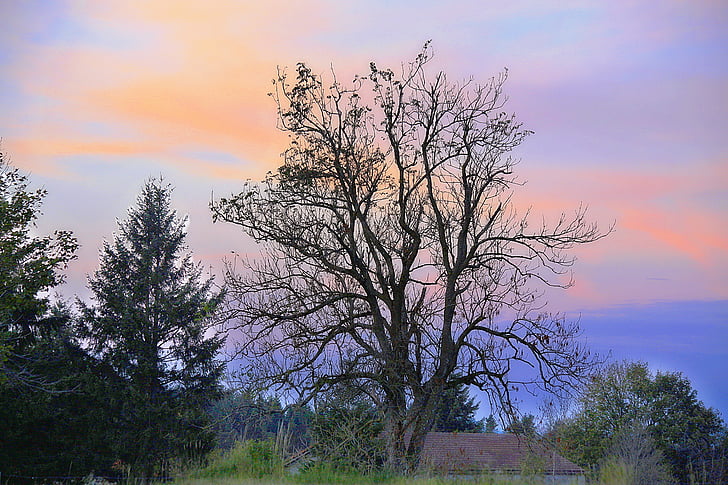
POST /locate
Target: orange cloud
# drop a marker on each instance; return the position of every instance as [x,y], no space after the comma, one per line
[40,155]
[198,111]
[183,74]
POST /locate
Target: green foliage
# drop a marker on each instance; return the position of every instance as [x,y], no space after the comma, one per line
[149,323]
[525,425]
[533,468]
[248,459]
[54,397]
[490,424]
[348,435]
[240,416]
[682,427]
[456,412]
[626,396]
[30,266]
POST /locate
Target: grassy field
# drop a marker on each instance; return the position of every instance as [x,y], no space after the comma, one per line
[336,478]
[354,480]
[257,463]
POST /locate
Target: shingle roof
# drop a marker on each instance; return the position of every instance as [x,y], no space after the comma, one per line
[462,452]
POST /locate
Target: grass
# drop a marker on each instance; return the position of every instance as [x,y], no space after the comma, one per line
[337,478]
[247,460]
[257,463]
[353,480]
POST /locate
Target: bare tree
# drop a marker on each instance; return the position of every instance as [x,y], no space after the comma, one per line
[634,456]
[392,256]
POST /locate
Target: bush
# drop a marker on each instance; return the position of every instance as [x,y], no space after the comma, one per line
[248,459]
[349,437]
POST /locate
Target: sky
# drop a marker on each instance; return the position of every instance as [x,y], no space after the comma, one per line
[628,101]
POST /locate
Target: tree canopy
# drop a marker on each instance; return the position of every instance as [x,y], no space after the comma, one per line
[626,398]
[53,396]
[30,266]
[393,254]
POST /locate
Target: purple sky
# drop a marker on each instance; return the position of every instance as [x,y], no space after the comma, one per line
[629,102]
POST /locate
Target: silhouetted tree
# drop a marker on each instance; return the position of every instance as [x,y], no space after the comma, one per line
[149,322]
[55,399]
[393,255]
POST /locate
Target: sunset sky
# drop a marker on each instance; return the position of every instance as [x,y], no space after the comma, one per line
[628,101]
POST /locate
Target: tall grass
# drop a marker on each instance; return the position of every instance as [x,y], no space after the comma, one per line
[249,459]
[258,463]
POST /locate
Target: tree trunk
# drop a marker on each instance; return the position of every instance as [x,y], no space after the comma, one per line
[395,434]
[422,412]
[406,430]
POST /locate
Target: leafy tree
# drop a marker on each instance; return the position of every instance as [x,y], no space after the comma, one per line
[30,266]
[456,412]
[628,396]
[55,399]
[392,253]
[149,322]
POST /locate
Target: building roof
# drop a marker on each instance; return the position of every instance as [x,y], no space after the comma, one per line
[483,452]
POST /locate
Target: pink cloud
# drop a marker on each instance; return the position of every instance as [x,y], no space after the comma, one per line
[641,145]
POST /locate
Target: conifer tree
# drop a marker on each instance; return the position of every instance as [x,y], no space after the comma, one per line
[150,319]
[456,412]
[490,424]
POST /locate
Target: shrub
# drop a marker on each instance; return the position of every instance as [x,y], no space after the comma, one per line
[248,459]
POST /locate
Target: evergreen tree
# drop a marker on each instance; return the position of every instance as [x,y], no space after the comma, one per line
[149,322]
[60,428]
[456,412]
[490,424]
[525,425]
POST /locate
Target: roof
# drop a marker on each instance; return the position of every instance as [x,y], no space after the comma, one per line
[462,452]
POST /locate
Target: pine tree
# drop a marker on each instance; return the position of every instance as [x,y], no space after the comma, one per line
[456,412]
[490,424]
[149,322]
